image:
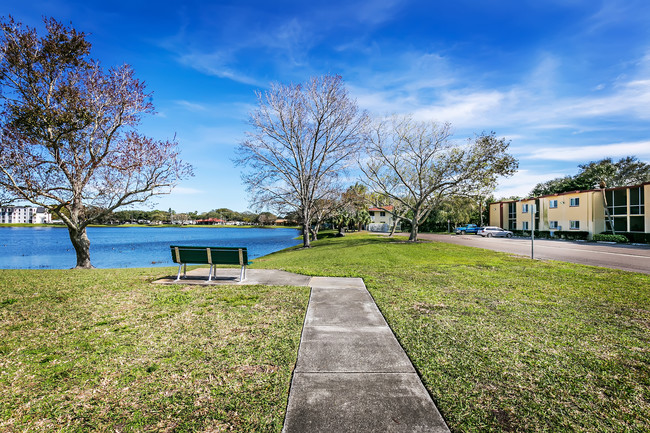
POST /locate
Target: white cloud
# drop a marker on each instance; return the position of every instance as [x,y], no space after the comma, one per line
[186,191]
[640,149]
[522,182]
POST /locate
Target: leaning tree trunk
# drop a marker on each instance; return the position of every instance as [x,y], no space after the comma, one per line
[81,245]
[314,233]
[395,222]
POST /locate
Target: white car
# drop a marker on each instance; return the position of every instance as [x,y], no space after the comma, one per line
[490,231]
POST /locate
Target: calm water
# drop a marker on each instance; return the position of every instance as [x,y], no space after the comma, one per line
[129,247]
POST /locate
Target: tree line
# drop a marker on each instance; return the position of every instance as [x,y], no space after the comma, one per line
[69,142]
[170,217]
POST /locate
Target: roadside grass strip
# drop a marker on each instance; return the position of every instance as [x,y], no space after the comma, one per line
[505,343]
[105,350]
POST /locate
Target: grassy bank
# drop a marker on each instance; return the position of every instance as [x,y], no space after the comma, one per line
[105,350]
[504,343]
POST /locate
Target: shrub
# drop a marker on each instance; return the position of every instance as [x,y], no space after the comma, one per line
[610,238]
[632,236]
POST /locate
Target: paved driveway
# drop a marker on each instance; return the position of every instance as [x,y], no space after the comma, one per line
[625,257]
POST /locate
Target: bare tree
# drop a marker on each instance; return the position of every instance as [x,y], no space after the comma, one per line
[68,131]
[417,165]
[302,136]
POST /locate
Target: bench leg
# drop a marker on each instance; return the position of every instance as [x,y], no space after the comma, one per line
[178,277]
[210,273]
[242,274]
[184,270]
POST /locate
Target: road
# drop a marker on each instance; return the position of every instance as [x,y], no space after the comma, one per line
[626,257]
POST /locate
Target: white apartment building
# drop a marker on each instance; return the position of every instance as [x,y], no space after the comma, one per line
[24,215]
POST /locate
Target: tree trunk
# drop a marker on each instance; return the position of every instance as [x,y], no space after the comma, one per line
[341,232]
[414,233]
[415,226]
[314,232]
[305,236]
[81,245]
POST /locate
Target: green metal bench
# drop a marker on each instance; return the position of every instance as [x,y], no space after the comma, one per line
[184,255]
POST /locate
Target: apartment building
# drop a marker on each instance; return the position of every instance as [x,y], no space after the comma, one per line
[24,215]
[578,211]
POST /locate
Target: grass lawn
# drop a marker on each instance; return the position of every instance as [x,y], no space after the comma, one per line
[105,350]
[505,343]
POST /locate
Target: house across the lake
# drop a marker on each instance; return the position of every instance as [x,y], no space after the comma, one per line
[24,215]
[381,219]
[579,211]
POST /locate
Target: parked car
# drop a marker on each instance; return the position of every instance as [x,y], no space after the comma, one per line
[490,231]
[469,228]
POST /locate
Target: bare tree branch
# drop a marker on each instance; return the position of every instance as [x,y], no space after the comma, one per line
[416,165]
[300,140]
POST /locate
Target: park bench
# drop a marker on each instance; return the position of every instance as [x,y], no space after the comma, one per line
[184,255]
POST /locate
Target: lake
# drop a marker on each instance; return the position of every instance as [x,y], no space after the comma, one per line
[130,247]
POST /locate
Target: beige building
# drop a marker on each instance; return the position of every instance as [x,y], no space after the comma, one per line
[381,215]
[381,219]
[579,211]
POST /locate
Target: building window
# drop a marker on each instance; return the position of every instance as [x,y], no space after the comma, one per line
[372,214]
[637,201]
[575,225]
[382,214]
[524,208]
[525,225]
[553,225]
[637,224]
[552,204]
[574,202]
[617,201]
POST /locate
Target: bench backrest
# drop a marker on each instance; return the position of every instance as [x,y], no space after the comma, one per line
[210,255]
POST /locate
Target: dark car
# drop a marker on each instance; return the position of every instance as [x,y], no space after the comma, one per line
[490,231]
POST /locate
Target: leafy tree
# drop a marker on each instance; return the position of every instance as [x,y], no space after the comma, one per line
[417,164]
[341,220]
[362,218]
[301,138]
[266,218]
[624,172]
[68,131]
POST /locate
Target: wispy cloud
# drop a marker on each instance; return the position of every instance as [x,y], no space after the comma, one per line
[522,182]
[641,149]
[186,191]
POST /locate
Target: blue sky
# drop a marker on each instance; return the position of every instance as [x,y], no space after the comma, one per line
[567,81]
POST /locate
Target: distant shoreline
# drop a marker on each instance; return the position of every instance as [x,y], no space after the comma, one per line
[226,226]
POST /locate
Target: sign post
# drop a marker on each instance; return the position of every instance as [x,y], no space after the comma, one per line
[532,232]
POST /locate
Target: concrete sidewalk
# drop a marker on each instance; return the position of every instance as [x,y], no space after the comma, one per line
[352,375]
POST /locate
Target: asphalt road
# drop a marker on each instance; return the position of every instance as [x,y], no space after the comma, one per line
[626,257]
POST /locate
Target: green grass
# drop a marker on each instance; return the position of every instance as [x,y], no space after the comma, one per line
[106,350]
[505,343]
